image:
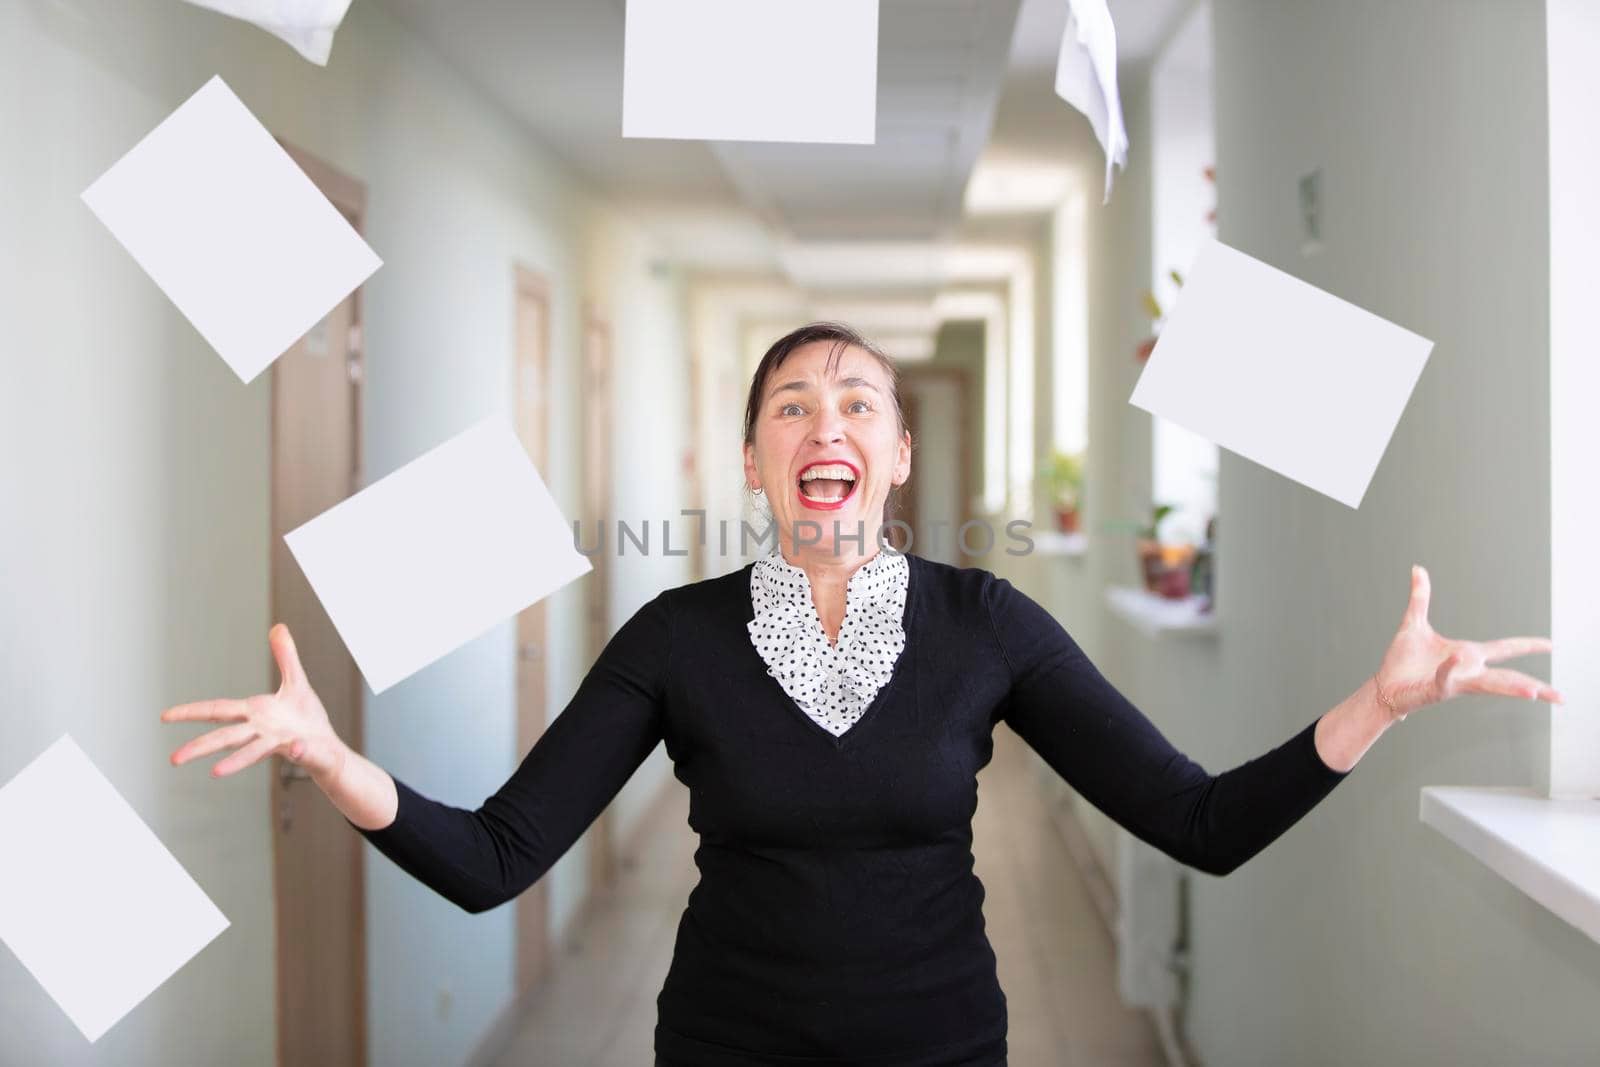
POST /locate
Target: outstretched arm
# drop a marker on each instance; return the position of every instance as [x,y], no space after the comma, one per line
[478,858]
[1120,762]
[481,858]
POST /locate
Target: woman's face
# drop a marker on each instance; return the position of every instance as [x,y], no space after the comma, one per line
[827,448]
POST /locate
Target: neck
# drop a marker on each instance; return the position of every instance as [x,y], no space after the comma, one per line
[828,561]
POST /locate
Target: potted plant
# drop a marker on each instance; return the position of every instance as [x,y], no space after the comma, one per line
[1176,569]
[1149,546]
[1063,475]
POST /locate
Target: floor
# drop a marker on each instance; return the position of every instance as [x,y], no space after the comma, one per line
[1056,960]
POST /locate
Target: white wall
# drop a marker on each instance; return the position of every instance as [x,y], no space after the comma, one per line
[1362,936]
[1182,144]
[135,489]
[136,481]
[644,306]
[717,311]
[1573,33]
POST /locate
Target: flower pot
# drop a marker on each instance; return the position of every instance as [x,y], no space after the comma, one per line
[1067,519]
[1147,346]
[1173,583]
[1149,561]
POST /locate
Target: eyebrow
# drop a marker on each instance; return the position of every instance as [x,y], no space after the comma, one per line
[799,386]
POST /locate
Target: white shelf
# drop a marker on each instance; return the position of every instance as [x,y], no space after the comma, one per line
[1051,543]
[1549,849]
[1156,615]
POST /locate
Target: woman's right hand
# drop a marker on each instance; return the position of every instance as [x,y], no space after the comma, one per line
[291,722]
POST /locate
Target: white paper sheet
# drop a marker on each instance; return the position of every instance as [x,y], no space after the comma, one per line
[737,70]
[437,553]
[231,229]
[1282,373]
[1086,78]
[307,26]
[91,902]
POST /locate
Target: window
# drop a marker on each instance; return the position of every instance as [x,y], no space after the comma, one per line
[1183,150]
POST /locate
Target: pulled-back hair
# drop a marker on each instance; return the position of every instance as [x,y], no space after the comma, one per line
[843,337]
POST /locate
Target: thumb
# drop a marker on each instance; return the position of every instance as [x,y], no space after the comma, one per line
[1421,593]
[288,659]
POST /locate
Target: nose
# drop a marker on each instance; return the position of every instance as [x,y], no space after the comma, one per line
[827,428]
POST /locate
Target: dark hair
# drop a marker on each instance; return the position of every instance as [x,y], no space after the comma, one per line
[843,337]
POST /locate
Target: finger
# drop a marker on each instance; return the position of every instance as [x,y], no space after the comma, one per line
[207,711]
[1510,647]
[283,651]
[215,741]
[1421,593]
[256,750]
[1509,683]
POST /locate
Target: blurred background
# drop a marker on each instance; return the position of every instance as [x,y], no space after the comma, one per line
[613,296]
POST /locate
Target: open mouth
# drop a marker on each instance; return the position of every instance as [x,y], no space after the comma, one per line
[828,484]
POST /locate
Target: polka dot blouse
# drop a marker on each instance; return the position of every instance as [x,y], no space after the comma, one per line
[834,684]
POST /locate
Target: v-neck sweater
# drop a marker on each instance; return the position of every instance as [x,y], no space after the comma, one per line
[837,918]
[832,682]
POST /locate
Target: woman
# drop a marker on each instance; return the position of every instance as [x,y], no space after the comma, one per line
[829,707]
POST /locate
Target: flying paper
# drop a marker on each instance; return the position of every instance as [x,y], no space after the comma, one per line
[737,70]
[231,229]
[92,903]
[424,560]
[1086,78]
[307,25]
[1282,373]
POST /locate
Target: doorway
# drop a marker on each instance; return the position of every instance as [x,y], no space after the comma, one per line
[318,875]
[532,372]
[935,498]
[597,506]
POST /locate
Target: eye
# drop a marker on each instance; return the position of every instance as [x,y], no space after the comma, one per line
[785,409]
[865,405]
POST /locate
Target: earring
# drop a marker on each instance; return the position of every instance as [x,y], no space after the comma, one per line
[756,490]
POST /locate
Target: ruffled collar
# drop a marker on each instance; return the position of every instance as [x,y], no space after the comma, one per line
[834,683]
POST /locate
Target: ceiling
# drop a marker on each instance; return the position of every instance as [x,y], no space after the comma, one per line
[941,64]
[556,65]
[1143,26]
[943,68]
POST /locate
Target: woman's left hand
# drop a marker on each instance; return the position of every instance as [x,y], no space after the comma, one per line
[1423,667]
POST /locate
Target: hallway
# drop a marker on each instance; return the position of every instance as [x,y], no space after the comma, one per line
[1430,162]
[1056,959]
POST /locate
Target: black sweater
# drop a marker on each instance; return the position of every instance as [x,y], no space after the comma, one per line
[837,918]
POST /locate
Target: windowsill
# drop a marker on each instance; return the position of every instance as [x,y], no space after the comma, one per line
[1156,615]
[1548,848]
[1051,543]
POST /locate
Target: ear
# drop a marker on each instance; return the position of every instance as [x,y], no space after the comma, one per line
[751,477]
[902,463]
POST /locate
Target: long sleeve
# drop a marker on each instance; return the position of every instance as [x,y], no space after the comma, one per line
[1117,759]
[481,859]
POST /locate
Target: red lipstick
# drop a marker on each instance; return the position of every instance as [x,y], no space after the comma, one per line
[830,505]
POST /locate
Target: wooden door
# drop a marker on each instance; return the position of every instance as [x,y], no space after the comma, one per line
[896,536]
[597,508]
[532,338]
[317,859]
[927,428]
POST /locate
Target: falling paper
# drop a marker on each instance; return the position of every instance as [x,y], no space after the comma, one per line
[1086,78]
[424,560]
[1282,373]
[231,229]
[734,70]
[92,903]
[307,25]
